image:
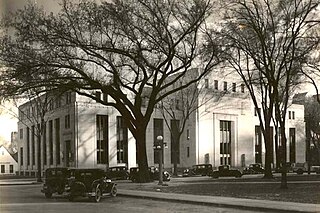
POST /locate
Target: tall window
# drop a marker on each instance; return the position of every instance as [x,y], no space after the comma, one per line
[98,95]
[216,86]
[292,141]
[175,145]
[67,121]
[234,87]
[11,169]
[28,146]
[242,88]
[122,141]
[225,86]
[68,97]
[21,156]
[258,145]
[57,134]
[51,142]
[3,169]
[33,145]
[157,131]
[21,133]
[102,139]
[44,145]
[225,142]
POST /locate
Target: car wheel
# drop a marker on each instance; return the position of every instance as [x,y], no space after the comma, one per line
[48,194]
[114,191]
[299,171]
[98,195]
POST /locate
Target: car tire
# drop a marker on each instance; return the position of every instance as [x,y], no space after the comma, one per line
[48,194]
[114,191]
[299,171]
[98,195]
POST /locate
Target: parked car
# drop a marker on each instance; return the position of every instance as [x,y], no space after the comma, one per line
[91,183]
[55,180]
[225,171]
[301,168]
[118,173]
[289,168]
[254,168]
[153,172]
[199,169]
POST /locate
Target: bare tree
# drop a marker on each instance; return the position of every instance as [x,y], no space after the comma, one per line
[125,49]
[267,44]
[178,108]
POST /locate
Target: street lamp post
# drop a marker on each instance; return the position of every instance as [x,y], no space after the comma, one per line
[160,149]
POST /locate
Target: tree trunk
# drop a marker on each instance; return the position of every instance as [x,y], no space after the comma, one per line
[39,159]
[268,155]
[144,175]
[284,158]
[176,147]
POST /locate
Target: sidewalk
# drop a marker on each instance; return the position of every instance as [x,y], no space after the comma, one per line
[223,201]
[27,181]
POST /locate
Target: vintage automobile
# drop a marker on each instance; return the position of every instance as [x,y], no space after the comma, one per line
[91,183]
[254,168]
[118,173]
[153,172]
[55,180]
[225,171]
[199,169]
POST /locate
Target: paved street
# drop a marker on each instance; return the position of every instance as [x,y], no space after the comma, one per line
[28,198]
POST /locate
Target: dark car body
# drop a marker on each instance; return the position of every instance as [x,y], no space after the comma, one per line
[91,183]
[254,168]
[118,173]
[55,180]
[225,171]
[153,172]
[199,169]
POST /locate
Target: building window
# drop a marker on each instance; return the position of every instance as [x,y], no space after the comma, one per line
[21,156]
[157,131]
[33,144]
[67,122]
[188,151]
[105,97]
[234,87]
[206,83]
[51,142]
[21,133]
[216,85]
[58,102]
[242,88]
[3,169]
[11,169]
[225,142]
[102,139]
[225,86]
[98,96]
[68,97]
[292,145]
[28,146]
[122,141]
[44,145]
[175,143]
[258,145]
[57,134]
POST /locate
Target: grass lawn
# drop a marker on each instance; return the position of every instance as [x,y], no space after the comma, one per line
[302,189]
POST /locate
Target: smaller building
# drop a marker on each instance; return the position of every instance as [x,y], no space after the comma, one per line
[8,164]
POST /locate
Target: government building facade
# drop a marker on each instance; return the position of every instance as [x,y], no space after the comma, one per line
[82,133]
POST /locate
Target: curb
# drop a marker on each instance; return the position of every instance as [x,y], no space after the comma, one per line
[229,202]
[19,183]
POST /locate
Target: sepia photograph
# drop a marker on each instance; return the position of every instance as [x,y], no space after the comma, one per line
[159,106]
